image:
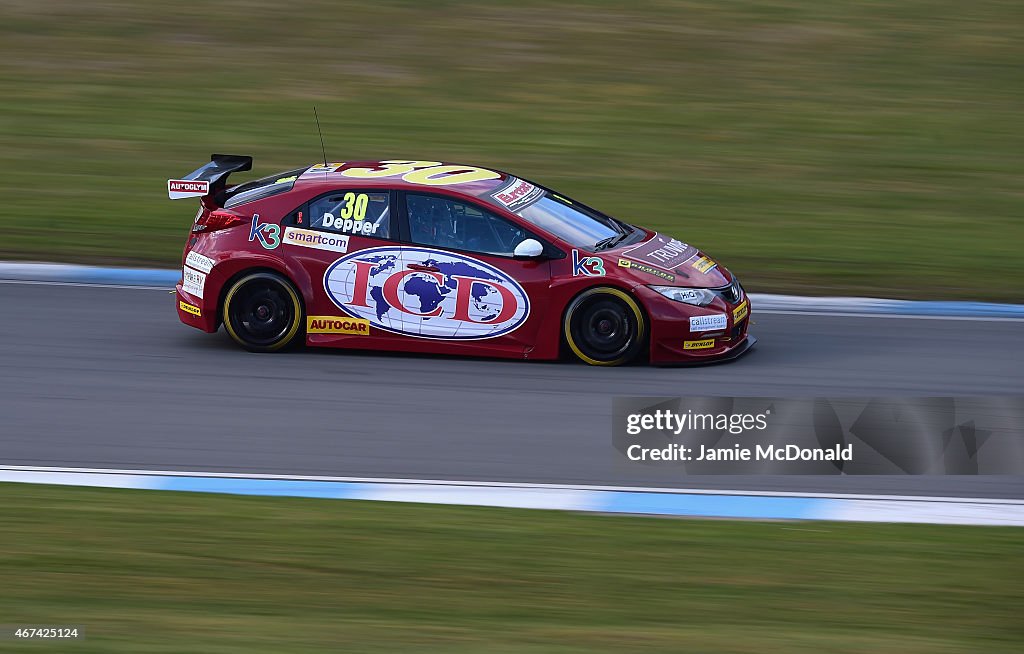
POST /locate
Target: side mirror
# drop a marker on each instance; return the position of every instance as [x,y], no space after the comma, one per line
[530,248]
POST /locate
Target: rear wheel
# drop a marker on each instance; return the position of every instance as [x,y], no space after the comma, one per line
[262,312]
[604,327]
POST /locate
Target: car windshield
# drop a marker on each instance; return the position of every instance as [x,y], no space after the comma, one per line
[570,222]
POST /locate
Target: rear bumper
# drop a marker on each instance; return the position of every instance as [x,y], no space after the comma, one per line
[195,312]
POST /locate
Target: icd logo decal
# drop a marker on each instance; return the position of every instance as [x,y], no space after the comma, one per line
[429,293]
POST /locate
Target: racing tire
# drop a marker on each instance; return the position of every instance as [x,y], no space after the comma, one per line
[604,326]
[262,312]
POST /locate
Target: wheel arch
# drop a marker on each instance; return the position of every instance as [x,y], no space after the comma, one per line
[564,348]
[300,318]
[260,267]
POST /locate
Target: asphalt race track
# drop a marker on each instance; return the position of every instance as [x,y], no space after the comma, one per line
[108,378]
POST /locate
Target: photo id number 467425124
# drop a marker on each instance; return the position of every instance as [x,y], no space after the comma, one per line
[41,632]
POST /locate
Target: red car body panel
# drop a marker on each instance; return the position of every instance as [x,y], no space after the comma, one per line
[549,283]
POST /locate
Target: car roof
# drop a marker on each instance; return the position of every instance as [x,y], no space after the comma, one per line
[409,175]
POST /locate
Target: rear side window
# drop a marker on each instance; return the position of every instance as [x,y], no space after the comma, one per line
[361,213]
[261,188]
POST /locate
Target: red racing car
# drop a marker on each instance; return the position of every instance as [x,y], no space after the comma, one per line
[424,256]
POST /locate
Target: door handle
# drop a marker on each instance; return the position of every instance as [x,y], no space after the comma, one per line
[423,268]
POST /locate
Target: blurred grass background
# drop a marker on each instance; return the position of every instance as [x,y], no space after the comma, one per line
[181,572]
[815,146]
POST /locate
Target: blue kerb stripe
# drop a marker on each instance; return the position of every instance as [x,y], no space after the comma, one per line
[55,272]
[721,506]
[281,487]
[755,507]
[977,309]
[129,277]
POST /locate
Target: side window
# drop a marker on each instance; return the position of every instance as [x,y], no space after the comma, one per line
[451,224]
[363,213]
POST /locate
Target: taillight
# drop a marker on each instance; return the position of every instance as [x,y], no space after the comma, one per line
[215,220]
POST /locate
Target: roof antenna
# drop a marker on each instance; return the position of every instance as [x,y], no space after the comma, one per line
[322,148]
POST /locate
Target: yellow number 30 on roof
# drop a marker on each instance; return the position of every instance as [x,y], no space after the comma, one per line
[430,173]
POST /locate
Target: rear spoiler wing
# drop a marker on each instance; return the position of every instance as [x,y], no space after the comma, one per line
[208,179]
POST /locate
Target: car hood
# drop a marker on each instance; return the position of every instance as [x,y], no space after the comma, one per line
[664,260]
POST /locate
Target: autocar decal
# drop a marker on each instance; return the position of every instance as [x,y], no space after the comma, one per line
[337,325]
[428,293]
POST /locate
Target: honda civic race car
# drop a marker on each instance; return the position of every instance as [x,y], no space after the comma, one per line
[424,256]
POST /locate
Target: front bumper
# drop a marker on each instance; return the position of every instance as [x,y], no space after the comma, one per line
[730,354]
[673,343]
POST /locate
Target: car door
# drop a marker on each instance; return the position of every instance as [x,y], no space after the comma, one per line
[455,281]
[333,228]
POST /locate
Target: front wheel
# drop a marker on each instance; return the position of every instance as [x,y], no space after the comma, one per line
[262,312]
[604,326]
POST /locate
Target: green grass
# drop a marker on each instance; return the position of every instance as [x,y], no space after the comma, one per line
[815,146]
[176,572]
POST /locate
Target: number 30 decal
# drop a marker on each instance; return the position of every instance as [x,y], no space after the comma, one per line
[430,173]
[355,206]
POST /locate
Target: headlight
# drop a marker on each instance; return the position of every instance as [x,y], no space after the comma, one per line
[696,296]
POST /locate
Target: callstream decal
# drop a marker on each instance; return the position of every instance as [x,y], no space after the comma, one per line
[428,293]
[199,262]
[710,323]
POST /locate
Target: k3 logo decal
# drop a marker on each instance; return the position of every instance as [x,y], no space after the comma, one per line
[589,266]
[268,234]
